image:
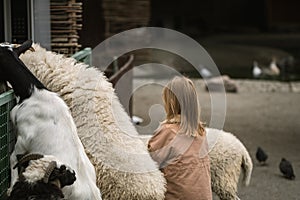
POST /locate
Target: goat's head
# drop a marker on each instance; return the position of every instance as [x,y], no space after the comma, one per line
[9,54]
[13,70]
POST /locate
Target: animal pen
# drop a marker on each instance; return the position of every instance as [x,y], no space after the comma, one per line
[7,139]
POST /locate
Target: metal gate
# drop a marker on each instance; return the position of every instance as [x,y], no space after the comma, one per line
[7,140]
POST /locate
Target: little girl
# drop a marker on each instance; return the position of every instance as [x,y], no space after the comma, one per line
[179,146]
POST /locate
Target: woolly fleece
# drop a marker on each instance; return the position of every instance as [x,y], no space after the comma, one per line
[123,165]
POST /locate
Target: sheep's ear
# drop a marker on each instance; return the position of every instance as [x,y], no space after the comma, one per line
[23,47]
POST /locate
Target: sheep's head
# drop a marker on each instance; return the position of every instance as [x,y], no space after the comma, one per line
[45,168]
[41,177]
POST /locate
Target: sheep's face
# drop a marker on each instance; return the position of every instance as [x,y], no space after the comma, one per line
[41,177]
[46,168]
[65,175]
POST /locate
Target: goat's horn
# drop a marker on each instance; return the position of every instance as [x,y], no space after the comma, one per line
[49,170]
[24,47]
[28,157]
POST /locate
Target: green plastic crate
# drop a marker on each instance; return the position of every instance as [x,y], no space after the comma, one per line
[84,55]
[7,140]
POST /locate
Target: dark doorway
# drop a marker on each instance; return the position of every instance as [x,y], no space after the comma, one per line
[1,21]
[197,18]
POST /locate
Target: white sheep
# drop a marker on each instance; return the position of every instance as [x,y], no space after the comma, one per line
[41,177]
[228,156]
[44,124]
[110,139]
[123,165]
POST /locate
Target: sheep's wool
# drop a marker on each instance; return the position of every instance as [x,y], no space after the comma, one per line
[123,165]
[36,169]
[227,157]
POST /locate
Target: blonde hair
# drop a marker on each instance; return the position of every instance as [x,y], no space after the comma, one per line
[181,105]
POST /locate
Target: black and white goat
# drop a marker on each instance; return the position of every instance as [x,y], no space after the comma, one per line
[44,124]
[41,177]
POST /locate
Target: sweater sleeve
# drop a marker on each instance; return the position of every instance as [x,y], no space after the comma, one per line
[160,139]
[159,145]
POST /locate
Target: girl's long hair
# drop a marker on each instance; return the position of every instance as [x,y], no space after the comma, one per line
[182,106]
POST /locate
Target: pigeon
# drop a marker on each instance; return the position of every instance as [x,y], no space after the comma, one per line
[273,67]
[137,120]
[270,71]
[205,73]
[286,169]
[261,156]
[256,71]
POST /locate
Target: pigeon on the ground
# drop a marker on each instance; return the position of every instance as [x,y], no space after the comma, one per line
[286,169]
[205,73]
[274,68]
[261,156]
[256,70]
[271,71]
